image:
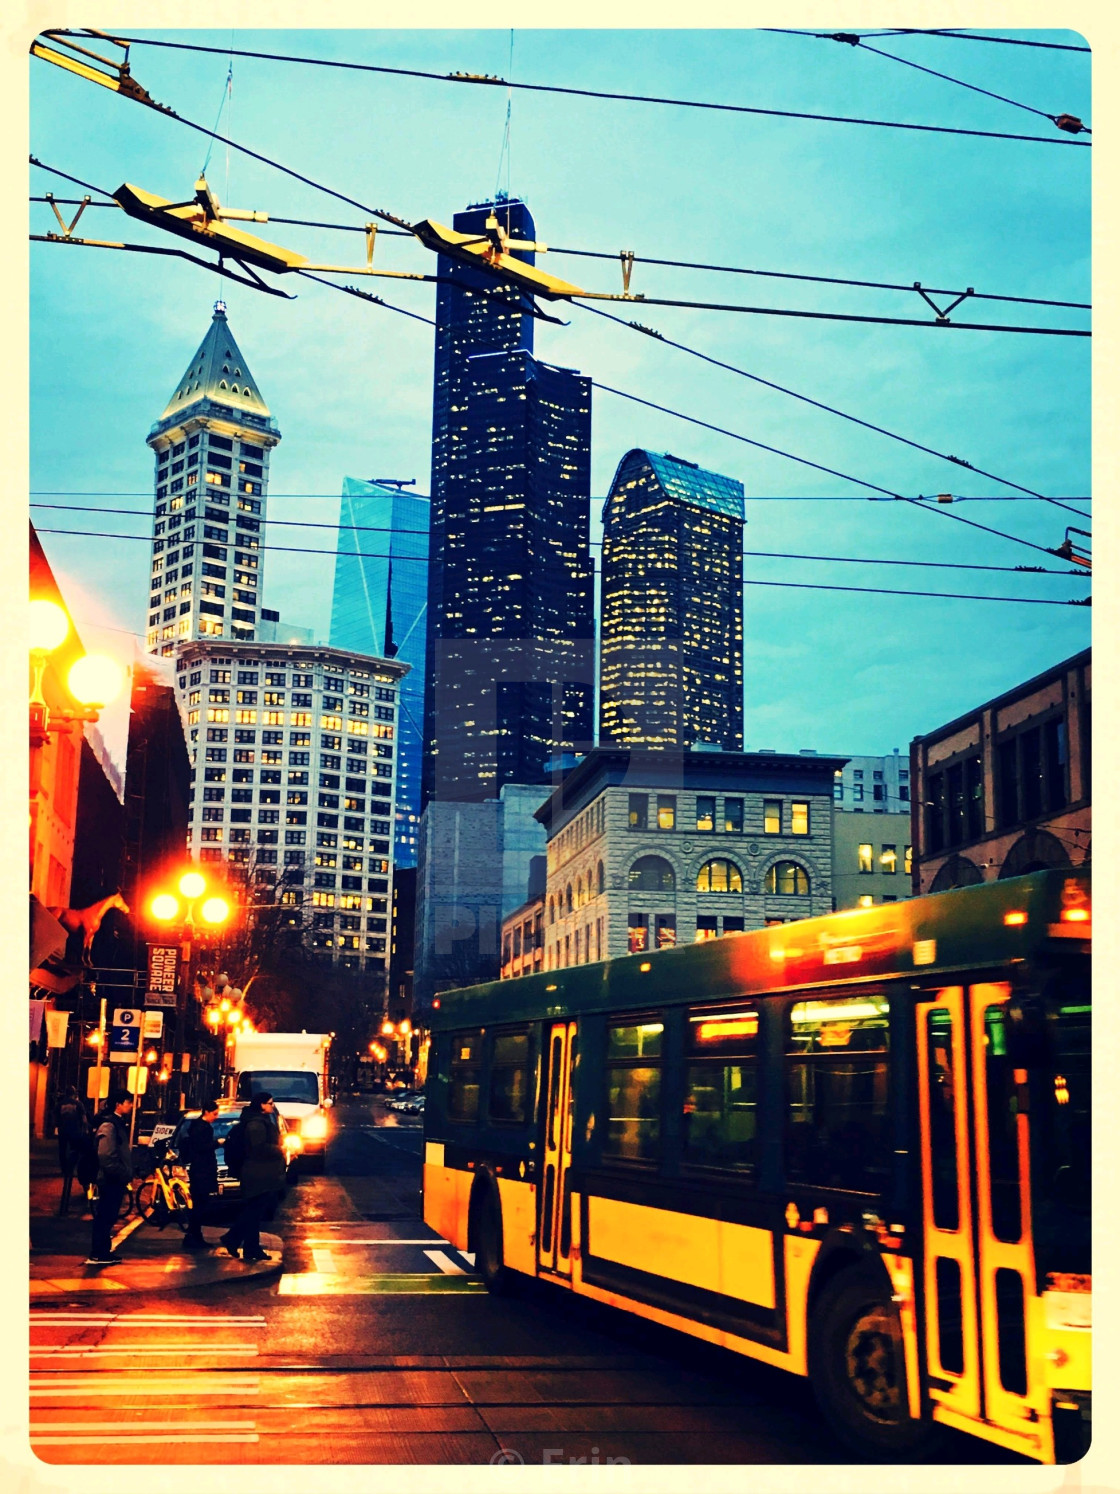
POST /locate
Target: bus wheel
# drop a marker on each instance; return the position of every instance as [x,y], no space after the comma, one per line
[858,1369]
[488,1243]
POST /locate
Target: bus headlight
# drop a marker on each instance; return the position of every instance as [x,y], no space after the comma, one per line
[313,1127]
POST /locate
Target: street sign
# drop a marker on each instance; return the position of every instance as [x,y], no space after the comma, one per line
[124,1035]
[91,1084]
[152,1026]
[136,1080]
[163,969]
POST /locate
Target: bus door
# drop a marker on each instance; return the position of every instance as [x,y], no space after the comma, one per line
[979,1270]
[554,1227]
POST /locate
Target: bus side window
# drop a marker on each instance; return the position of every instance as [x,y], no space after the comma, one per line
[466,1073]
[509,1078]
[943,1083]
[837,1136]
[721,1088]
[634,1091]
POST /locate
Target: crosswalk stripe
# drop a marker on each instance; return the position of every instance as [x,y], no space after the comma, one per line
[324,1261]
[135,1428]
[334,1240]
[144,1319]
[71,1352]
[444,1262]
[108,1385]
[114,1439]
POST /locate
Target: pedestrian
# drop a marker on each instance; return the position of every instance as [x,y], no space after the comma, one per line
[114,1173]
[263,1171]
[199,1152]
[73,1128]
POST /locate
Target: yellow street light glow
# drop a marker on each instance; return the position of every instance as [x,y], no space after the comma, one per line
[49,624]
[151,1056]
[406,1027]
[213,1016]
[95,679]
[387,1027]
[165,907]
[224,1005]
[192,884]
[94,1039]
[215,910]
[233,1017]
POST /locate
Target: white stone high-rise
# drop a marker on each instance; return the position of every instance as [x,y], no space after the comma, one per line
[212,446]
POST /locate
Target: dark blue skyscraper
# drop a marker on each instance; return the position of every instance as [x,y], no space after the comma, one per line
[378,607]
[510,588]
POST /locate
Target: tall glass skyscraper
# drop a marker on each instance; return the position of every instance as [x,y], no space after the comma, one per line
[379,607]
[671,660]
[510,584]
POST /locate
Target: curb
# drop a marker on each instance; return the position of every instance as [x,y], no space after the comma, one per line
[174,1271]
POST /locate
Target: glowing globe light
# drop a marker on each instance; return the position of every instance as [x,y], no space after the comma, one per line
[49,624]
[95,679]
[215,910]
[165,907]
[192,884]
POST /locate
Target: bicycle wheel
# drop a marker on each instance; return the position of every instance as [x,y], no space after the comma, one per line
[149,1199]
[126,1204]
[180,1203]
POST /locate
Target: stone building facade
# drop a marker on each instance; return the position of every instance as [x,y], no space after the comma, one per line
[1006,788]
[651,849]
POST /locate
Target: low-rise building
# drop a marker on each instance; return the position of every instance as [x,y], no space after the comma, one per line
[1005,788]
[651,849]
[523,939]
[874,785]
[871,859]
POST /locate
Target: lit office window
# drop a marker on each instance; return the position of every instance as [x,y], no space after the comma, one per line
[866,863]
[888,859]
[666,811]
[799,818]
[705,812]
[772,816]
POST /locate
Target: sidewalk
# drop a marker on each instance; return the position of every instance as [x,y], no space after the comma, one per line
[150,1260]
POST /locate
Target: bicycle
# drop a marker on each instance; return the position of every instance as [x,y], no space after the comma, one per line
[163,1196]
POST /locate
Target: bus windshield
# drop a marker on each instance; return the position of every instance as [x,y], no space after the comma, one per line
[298,1086]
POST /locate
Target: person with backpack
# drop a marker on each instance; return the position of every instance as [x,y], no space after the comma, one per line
[199,1152]
[256,1158]
[114,1173]
[73,1127]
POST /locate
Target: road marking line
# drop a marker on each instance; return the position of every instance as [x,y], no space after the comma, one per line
[468,1256]
[444,1262]
[117,1440]
[127,1320]
[324,1262]
[409,1284]
[334,1240]
[130,1228]
[132,1349]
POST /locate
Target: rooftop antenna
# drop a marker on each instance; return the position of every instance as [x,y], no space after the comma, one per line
[506,153]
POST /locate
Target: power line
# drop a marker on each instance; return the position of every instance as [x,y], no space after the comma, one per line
[953,565]
[1003,41]
[1065,122]
[595,498]
[830,409]
[805,461]
[488,81]
[678,264]
[803,585]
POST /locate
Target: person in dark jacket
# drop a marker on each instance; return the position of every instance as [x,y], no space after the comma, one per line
[200,1154]
[262,1178]
[114,1173]
[73,1127]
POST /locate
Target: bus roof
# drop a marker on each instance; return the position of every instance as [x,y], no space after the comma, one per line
[970,928]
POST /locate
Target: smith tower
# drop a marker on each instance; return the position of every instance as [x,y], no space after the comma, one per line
[510,587]
[671,661]
[211,446]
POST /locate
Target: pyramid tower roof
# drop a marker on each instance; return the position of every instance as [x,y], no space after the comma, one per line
[218,371]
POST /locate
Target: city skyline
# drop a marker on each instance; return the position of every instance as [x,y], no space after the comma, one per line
[866,671]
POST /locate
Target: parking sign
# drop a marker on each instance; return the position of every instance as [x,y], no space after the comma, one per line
[124,1035]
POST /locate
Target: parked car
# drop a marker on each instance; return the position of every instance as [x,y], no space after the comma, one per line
[228,1113]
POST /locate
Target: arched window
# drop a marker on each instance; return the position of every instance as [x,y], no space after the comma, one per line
[652,874]
[568,898]
[579,892]
[552,910]
[788,879]
[719,875]
[600,880]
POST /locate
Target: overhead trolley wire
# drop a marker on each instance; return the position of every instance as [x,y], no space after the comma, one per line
[830,409]
[1003,41]
[594,498]
[486,80]
[804,585]
[951,565]
[642,259]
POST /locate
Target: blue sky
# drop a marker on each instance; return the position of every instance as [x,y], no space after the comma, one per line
[350,385]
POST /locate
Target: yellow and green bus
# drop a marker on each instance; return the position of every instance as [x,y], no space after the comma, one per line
[855,1147]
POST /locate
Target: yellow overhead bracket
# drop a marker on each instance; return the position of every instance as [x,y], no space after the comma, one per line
[66,53]
[204,220]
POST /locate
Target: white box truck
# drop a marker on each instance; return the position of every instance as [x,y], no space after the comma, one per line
[293,1068]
